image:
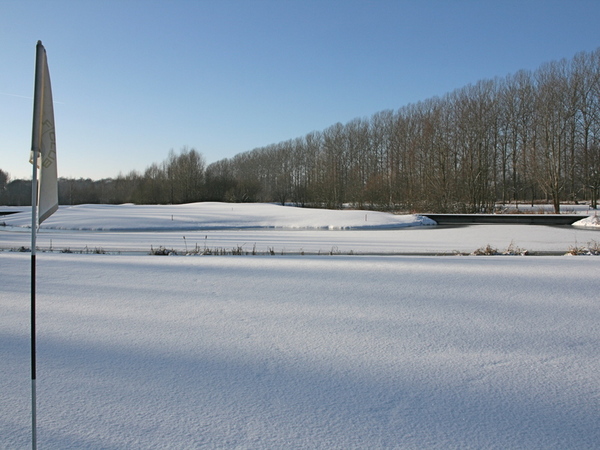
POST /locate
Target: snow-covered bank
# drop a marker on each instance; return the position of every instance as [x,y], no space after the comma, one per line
[302,352]
[271,228]
[589,222]
[213,216]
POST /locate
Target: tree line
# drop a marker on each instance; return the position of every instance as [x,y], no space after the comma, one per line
[178,179]
[527,137]
[532,136]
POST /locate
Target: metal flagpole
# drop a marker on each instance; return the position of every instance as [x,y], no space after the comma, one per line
[35,148]
[33,276]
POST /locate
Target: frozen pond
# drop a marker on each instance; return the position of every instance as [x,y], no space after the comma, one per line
[414,240]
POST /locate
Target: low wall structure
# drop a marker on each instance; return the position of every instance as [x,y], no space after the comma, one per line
[528,219]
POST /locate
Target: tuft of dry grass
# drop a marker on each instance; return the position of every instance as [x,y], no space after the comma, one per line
[514,250]
[162,251]
[592,248]
[488,250]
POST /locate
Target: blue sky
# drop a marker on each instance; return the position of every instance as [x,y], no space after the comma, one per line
[134,79]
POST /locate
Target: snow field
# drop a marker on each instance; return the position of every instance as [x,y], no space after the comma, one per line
[266,228]
[147,352]
[213,216]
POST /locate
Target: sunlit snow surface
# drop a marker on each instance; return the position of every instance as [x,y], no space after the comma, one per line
[213,216]
[591,221]
[266,228]
[313,351]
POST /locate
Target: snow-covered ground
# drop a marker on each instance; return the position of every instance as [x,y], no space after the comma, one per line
[267,228]
[213,216]
[301,351]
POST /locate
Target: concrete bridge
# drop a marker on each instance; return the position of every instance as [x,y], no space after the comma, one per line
[522,219]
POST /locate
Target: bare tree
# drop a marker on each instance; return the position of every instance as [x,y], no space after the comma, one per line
[554,114]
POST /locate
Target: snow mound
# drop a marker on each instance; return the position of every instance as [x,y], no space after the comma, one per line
[591,221]
[214,216]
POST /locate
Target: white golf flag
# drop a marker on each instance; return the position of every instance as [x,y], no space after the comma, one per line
[44,138]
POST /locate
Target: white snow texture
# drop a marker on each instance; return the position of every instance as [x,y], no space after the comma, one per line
[298,351]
